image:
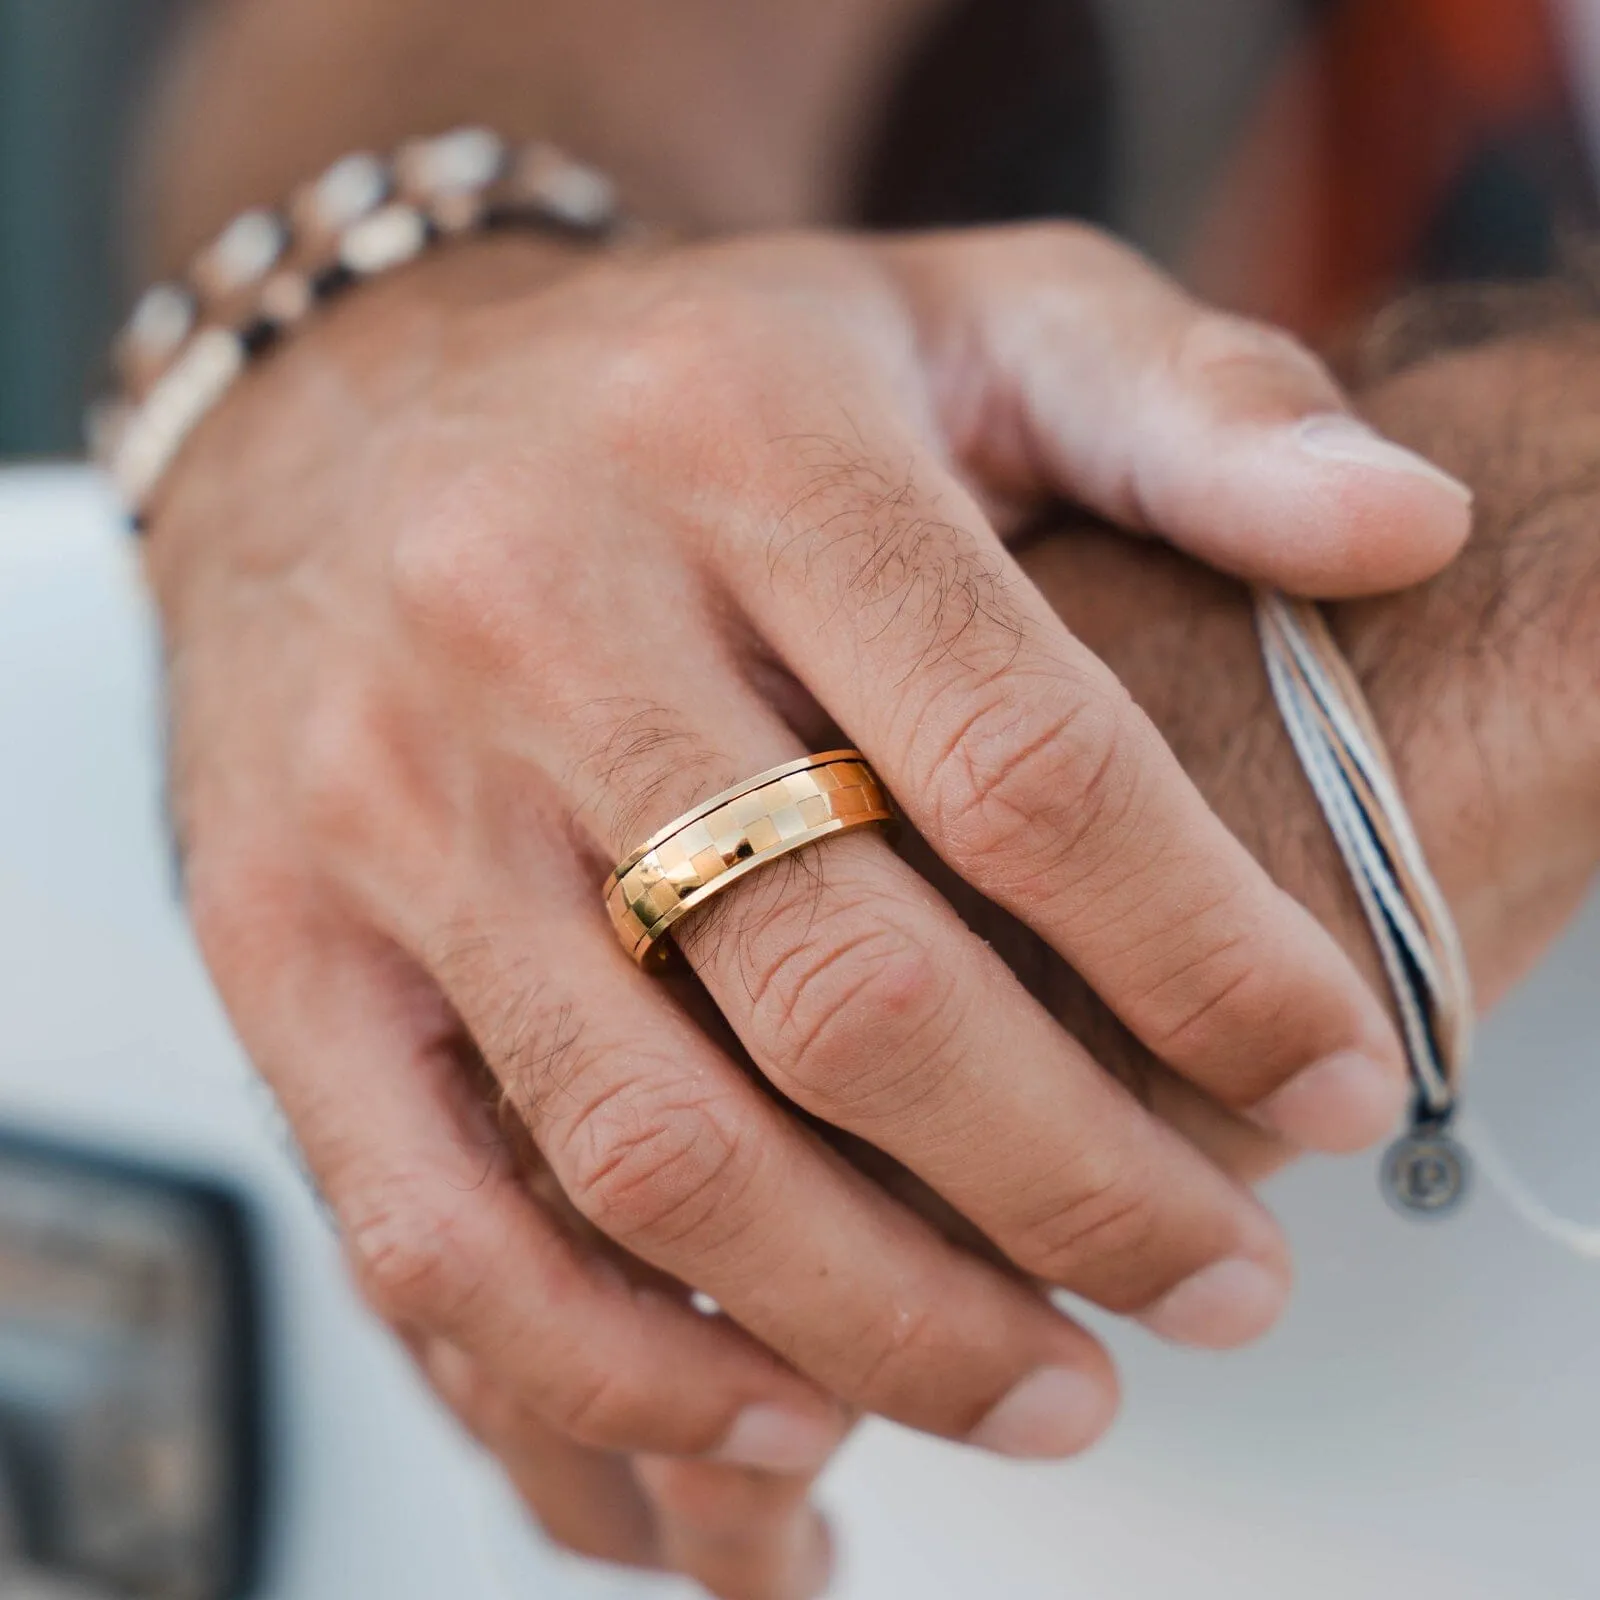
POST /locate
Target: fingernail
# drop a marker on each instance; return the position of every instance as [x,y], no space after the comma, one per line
[1053,1412]
[1226,1304]
[814,1565]
[1334,436]
[1341,1104]
[772,1439]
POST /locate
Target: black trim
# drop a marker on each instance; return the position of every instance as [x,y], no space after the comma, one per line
[235,1234]
[1003,111]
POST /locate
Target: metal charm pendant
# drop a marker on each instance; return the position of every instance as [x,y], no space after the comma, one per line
[1426,1174]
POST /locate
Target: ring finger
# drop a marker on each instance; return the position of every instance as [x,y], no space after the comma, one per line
[863,998]
[660,1142]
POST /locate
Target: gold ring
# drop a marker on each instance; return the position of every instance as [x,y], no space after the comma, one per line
[732,834]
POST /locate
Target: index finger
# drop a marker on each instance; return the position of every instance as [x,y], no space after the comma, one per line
[1075,368]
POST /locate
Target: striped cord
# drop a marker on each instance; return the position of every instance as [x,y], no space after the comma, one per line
[1343,754]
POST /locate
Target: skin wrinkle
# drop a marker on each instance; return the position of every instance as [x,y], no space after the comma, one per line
[1132,911]
[937,608]
[582,1412]
[904,1090]
[1100,806]
[1191,1021]
[647,762]
[1112,1219]
[416,1255]
[988,786]
[752,901]
[801,953]
[911,567]
[641,1152]
[911,1330]
[1512,610]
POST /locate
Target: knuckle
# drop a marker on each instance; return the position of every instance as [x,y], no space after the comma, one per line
[898,1360]
[1061,241]
[1013,795]
[849,1008]
[1111,1223]
[458,568]
[1050,246]
[1218,350]
[416,1253]
[609,1410]
[649,1161]
[336,768]
[693,355]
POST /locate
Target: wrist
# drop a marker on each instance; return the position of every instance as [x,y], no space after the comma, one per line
[1503,810]
[1487,680]
[273,270]
[323,396]
[1518,615]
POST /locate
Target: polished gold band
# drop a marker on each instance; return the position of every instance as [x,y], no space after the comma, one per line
[732,834]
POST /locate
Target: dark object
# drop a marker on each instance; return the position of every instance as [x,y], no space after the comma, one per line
[1427,1173]
[130,1394]
[1002,112]
[70,71]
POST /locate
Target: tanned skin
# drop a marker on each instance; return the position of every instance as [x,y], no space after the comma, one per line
[1486,684]
[1485,681]
[713,117]
[720,117]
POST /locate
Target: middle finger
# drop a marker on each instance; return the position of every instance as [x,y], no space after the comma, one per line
[1028,768]
[864,999]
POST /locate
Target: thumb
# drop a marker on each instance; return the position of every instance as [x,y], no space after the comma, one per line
[1064,365]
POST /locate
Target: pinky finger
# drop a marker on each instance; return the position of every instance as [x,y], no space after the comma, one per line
[741,1535]
[447,1244]
[587,1501]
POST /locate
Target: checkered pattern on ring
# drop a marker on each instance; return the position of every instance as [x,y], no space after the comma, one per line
[734,832]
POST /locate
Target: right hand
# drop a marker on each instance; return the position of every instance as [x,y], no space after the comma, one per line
[489,576]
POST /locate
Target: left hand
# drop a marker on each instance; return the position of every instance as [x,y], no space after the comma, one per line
[514,553]
[1487,683]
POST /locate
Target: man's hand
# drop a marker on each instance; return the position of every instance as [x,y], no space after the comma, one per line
[498,569]
[1485,681]
[1487,684]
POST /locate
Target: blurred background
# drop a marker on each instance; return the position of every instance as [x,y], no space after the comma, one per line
[69,74]
[1457,151]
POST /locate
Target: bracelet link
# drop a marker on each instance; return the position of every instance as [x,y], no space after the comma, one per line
[186,343]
